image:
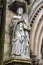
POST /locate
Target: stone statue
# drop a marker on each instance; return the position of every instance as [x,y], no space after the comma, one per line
[20,41]
[20,35]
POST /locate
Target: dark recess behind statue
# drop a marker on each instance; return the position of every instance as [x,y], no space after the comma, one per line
[2,28]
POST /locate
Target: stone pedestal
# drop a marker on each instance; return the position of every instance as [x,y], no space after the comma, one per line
[18,62]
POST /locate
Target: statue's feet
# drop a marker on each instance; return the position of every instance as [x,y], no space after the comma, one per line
[12,55]
[25,56]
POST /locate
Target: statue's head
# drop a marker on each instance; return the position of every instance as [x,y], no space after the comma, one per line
[18,6]
[20,11]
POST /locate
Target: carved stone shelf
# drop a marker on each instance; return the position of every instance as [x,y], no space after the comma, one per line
[17,61]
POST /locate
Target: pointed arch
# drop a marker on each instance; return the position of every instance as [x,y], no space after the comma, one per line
[37,31]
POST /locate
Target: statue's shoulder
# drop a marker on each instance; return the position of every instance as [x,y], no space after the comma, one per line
[15,20]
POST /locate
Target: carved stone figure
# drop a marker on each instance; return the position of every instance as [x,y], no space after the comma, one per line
[20,41]
[20,35]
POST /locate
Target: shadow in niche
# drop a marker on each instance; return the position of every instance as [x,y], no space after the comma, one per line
[28,1]
[42,49]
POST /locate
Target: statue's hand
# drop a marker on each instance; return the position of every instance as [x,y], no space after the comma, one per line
[20,20]
[14,39]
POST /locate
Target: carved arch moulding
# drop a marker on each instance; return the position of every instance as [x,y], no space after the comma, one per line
[36,34]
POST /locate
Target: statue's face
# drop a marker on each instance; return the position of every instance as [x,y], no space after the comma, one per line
[20,10]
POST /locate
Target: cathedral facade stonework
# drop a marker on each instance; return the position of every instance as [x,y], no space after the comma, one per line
[30,25]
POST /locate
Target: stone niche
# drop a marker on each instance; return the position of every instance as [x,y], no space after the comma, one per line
[19,56]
